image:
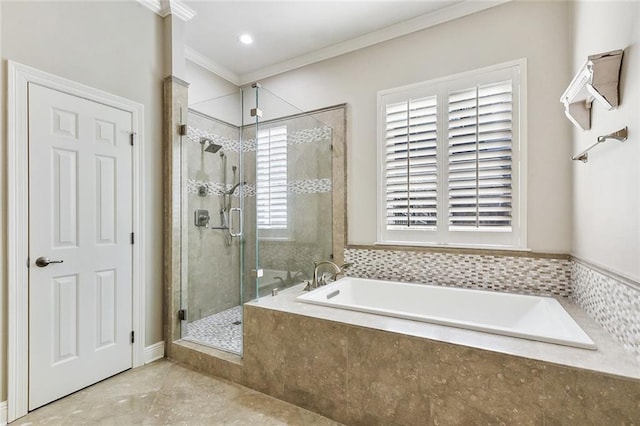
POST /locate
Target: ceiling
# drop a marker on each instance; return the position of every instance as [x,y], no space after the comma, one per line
[290,34]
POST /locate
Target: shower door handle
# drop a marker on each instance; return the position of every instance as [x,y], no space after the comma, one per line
[231,227]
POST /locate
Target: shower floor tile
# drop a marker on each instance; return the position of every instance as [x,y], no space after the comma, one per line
[222,330]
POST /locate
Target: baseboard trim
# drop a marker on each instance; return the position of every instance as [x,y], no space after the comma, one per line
[3,413]
[152,353]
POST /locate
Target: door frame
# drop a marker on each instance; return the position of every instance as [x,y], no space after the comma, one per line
[19,76]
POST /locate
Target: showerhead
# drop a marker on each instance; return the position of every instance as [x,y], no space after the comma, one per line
[212,147]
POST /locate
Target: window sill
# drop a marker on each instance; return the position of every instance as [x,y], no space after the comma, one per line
[451,246]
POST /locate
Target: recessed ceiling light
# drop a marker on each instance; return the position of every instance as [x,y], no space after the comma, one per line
[246,39]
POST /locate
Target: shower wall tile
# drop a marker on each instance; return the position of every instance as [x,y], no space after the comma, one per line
[615,305]
[527,275]
[230,144]
[212,260]
[308,186]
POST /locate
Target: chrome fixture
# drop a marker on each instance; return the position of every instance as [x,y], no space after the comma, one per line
[212,147]
[223,220]
[45,261]
[620,136]
[234,187]
[201,218]
[318,282]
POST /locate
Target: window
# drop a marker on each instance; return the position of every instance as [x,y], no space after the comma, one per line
[271,182]
[451,156]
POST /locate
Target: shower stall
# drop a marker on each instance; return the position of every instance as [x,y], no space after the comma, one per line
[256,207]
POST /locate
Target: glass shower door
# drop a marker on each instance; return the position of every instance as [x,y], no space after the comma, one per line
[212,226]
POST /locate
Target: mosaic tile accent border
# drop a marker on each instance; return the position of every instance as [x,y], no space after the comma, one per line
[611,303]
[216,188]
[196,135]
[307,186]
[526,275]
[314,134]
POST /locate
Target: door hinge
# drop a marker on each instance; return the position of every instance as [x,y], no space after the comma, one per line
[131,137]
[133,336]
[182,130]
[132,238]
[182,314]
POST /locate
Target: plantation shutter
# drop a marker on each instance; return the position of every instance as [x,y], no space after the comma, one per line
[411,164]
[271,178]
[480,157]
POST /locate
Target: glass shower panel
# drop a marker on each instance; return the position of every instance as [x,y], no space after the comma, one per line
[292,193]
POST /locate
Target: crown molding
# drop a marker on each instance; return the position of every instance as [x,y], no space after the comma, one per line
[169,7]
[397,30]
[210,65]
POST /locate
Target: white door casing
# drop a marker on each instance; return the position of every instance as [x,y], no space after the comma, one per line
[20,77]
[79,214]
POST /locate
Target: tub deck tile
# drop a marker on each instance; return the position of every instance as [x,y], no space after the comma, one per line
[478,387]
[388,378]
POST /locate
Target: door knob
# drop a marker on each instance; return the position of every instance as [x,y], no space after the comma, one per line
[44,261]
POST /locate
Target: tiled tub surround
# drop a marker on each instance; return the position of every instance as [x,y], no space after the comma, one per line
[359,368]
[612,301]
[545,276]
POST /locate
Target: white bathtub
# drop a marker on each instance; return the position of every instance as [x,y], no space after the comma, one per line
[529,317]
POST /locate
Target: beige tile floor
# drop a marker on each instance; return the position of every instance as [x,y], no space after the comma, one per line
[166,393]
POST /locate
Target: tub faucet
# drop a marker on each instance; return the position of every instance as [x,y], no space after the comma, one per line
[318,282]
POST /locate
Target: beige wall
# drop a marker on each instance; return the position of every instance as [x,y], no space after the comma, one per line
[213,95]
[538,31]
[607,188]
[112,46]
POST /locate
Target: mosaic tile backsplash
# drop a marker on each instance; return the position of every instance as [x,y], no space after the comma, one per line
[526,275]
[610,302]
[614,305]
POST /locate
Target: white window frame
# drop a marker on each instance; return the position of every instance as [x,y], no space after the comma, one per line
[273,233]
[516,238]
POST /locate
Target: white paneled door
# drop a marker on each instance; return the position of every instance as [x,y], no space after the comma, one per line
[80,215]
